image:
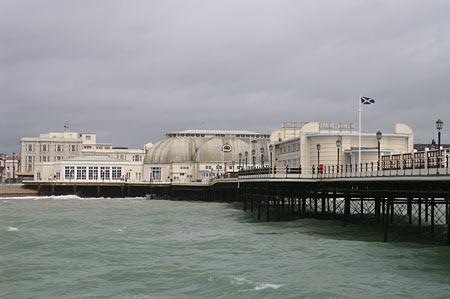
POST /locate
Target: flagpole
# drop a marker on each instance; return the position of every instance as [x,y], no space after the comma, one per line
[359,136]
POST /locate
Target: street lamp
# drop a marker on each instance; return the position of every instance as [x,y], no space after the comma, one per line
[338,145]
[262,156]
[253,157]
[318,157]
[14,167]
[271,150]
[246,159]
[379,136]
[240,159]
[439,125]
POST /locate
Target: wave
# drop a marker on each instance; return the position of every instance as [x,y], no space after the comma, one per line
[12,229]
[262,286]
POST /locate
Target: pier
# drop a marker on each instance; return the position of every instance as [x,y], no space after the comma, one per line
[385,196]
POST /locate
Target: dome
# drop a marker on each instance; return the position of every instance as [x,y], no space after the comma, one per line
[204,150]
[170,150]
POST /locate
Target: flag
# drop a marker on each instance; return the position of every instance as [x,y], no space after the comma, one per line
[367,101]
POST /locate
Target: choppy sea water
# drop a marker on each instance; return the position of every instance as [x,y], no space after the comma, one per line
[68,247]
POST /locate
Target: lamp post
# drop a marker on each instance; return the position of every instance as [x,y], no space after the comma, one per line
[271,150]
[14,167]
[338,145]
[253,157]
[439,125]
[262,156]
[240,159]
[246,159]
[379,136]
[318,158]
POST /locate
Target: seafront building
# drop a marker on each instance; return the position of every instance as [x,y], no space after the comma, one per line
[38,154]
[296,145]
[9,166]
[196,156]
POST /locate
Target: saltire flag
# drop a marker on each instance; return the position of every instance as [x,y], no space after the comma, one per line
[367,101]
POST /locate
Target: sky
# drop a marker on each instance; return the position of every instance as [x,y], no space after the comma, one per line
[131,71]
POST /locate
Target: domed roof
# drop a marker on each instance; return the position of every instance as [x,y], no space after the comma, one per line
[203,149]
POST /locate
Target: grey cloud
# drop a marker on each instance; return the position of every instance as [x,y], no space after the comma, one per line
[133,70]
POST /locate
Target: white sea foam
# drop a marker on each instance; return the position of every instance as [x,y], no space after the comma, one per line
[118,230]
[240,280]
[12,229]
[262,286]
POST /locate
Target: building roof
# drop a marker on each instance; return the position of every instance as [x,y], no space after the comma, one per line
[218,133]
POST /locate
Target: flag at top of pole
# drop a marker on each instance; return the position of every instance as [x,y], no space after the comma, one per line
[367,101]
[363,101]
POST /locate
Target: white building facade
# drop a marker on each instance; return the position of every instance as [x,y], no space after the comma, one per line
[297,146]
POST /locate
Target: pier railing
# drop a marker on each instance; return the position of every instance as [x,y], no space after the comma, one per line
[432,166]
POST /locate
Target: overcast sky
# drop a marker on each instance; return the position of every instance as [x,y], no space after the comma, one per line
[133,70]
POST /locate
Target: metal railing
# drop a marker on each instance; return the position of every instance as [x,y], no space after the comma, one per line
[431,166]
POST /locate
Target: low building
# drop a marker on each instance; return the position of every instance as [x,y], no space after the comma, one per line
[306,145]
[195,156]
[9,167]
[55,147]
[89,169]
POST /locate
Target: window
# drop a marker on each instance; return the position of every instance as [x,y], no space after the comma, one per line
[87,147]
[105,172]
[69,172]
[38,176]
[59,147]
[30,148]
[184,167]
[138,176]
[137,158]
[73,148]
[116,172]
[182,174]
[81,172]
[44,147]
[93,172]
[57,175]
[58,158]
[88,137]
[155,173]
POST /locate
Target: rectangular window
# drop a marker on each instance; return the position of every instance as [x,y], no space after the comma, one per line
[30,148]
[59,147]
[137,158]
[73,148]
[105,173]
[38,176]
[155,174]
[138,176]
[57,175]
[81,172]
[44,147]
[87,147]
[93,173]
[116,172]
[69,172]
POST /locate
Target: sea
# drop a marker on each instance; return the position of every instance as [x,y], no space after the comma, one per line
[72,247]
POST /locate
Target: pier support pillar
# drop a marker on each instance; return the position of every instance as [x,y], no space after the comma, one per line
[346,208]
[409,210]
[419,212]
[122,187]
[386,223]
[334,203]
[53,189]
[98,191]
[432,217]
